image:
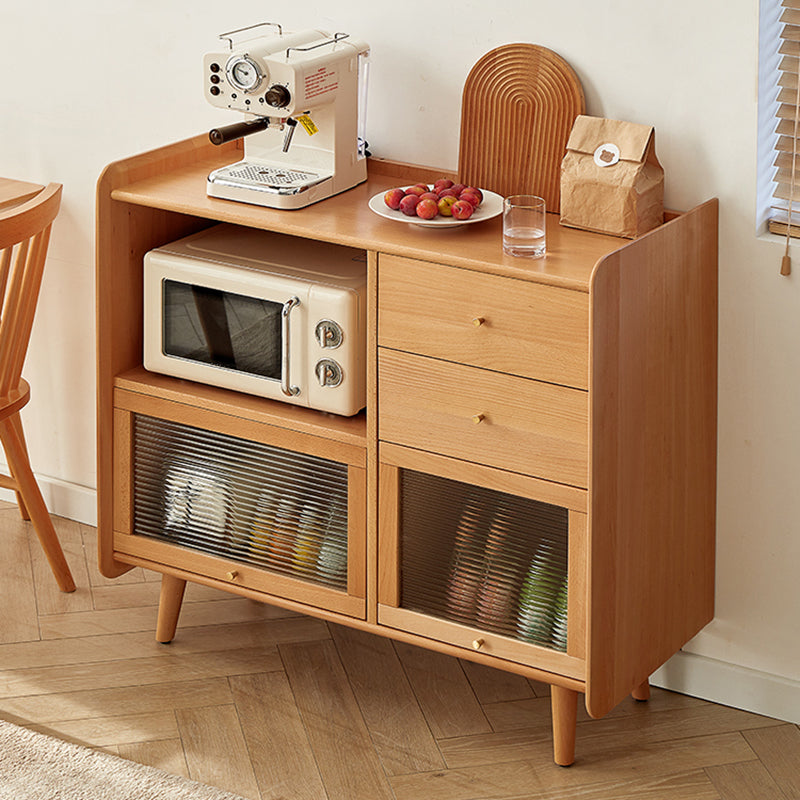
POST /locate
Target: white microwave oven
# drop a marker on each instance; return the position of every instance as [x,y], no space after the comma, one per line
[259,312]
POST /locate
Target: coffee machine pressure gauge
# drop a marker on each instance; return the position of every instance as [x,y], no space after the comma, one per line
[243,73]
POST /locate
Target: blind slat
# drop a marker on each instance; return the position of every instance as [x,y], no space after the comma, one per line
[791,16]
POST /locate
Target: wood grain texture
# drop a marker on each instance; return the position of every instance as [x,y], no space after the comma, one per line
[17,592]
[518,106]
[530,427]
[525,328]
[653,452]
[778,749]
[281,754]
[397,727]
[492,686]
[557,494]
[335,727]
[160,194]
[444,693]
[163,754]
[215,749]
[14,193]
[749,780]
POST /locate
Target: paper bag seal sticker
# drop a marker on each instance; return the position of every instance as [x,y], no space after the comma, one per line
[611,181]
[606,155]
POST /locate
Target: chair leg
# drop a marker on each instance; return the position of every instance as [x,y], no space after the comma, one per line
[40,516]
[169,607]
[564,703]
[642,691]
[16,421]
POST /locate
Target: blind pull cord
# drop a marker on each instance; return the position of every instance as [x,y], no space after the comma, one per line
[786,261]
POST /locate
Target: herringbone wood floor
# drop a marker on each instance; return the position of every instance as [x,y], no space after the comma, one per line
[271,704]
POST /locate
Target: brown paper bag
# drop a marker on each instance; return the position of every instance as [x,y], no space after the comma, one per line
[611,181]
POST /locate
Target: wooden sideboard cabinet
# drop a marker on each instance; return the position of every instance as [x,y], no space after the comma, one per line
[530,486]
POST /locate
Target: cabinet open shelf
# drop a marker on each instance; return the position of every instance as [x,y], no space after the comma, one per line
[348,430]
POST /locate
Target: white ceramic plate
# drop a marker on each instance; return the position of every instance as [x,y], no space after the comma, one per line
[491,206]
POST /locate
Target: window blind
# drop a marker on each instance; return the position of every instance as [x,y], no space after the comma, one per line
[785,216]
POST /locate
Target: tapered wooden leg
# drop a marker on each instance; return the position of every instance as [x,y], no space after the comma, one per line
[16,421]
[34,503]
[564,703]
[642,692]
[169,607]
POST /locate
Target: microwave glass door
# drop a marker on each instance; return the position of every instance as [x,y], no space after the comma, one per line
[223,329]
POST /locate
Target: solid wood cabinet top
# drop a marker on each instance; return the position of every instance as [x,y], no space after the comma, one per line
[174,179]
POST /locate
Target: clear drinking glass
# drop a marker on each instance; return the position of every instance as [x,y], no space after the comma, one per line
[524,228]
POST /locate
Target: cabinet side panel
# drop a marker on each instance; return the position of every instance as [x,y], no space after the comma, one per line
[124,234]
[652,479]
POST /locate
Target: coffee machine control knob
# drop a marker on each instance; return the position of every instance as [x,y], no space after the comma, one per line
[329,373]
[278,96]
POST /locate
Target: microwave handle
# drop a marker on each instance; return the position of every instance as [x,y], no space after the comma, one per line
[286,387]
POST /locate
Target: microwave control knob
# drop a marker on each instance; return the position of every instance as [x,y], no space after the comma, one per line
[328,333]
[329,373]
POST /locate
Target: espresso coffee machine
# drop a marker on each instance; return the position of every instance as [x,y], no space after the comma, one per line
[304,95]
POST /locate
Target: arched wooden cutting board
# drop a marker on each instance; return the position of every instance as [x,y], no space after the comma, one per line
[518,107]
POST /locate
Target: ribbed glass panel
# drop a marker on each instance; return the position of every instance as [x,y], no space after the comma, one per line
[241,500]
[484,558]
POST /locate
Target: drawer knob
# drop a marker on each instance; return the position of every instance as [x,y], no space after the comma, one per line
[478,418]
[478,321]
[232,575]
[477,644]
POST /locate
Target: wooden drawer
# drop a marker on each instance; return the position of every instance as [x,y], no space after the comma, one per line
[472,414]
[504,324]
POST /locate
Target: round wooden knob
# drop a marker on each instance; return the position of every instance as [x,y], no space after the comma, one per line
[478,418]
[232,575]
[477,644]
[478,321]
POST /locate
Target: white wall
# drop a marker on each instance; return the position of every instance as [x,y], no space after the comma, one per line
[88,82]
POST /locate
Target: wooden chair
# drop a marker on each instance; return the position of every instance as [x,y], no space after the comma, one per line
[24,236]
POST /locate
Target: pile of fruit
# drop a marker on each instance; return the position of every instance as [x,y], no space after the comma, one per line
[444,198]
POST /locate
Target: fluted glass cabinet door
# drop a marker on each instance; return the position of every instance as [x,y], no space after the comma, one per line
[480,567]
[484,558]
[247,501]
[279,513]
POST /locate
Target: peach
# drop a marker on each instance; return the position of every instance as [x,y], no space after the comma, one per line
[408,205]
[470,197]
[427,208]
[477,192]
[445,204]
[393,197]
[462,209]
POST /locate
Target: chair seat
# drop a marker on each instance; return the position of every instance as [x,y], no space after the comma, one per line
[15,399]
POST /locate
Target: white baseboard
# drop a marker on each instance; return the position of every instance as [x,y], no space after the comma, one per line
[64,499]
[731,685]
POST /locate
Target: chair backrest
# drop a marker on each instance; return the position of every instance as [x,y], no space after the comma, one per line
[24,237]
[518,107]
